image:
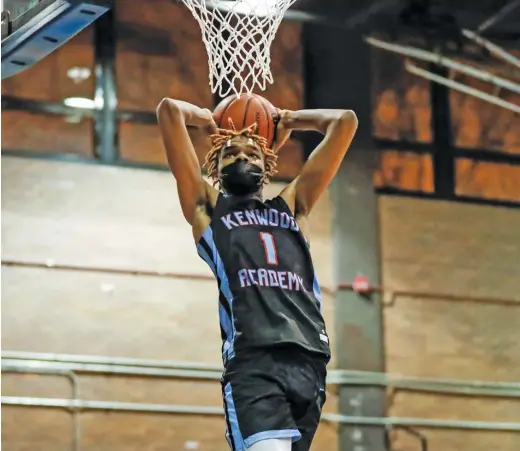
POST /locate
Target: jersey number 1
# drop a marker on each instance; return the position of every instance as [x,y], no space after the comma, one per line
[270,249]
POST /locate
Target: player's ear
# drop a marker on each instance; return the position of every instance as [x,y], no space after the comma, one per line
[277,116]
[276,119]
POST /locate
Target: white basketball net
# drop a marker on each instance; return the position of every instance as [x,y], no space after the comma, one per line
[238,37]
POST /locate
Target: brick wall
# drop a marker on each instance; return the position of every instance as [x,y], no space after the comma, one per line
[124,218]
[452,249]
[110,217]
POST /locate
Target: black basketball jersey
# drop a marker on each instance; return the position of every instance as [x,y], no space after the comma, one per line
[268,291]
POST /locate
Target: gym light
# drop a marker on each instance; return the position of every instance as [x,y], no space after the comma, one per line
[79,102]
[79,74]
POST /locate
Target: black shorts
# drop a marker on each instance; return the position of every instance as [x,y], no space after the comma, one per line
[273,394]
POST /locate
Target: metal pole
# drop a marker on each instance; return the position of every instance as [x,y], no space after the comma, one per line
[111,406]
[462,88]
[88,368]
[27,362]
[447,62]
[335,377]
[74,383]
[121,361]
[218,411]
[496,50]
[443,158]
[424,423]
[105,98]
[423,441]
[341,376]
[426,388]
[503,12]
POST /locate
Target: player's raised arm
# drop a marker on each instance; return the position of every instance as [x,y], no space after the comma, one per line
[339,128]
[183,127]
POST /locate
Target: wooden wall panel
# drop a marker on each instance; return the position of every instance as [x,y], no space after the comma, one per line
[488,180]
[400,101]
[48,80]
[404,170]
[160,54]
[46,133]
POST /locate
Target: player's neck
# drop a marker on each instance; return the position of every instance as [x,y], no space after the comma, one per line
[258,195]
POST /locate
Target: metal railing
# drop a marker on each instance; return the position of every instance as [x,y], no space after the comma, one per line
[72,366]
[85,364]
[112,406]
[74,384]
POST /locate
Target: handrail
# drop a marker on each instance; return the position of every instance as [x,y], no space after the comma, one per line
[367,375]
[218,411]
[109,369]
[82,365]
[74,383]
[107,360]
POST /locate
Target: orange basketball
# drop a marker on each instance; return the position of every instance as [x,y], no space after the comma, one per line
[245,111]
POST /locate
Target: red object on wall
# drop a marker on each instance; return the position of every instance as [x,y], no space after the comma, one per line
[360,284]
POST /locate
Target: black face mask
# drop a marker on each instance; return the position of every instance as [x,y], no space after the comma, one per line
[241,178]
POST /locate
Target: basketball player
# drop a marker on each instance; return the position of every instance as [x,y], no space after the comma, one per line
[275,345]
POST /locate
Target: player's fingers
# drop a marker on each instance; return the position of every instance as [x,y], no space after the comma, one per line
[212,128]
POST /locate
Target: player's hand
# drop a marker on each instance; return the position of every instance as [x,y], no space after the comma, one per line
[283,133]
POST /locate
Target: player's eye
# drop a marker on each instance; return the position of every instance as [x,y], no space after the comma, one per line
[229,153]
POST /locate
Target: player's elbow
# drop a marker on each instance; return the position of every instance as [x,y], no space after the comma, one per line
[348,119]
[167,105]
[163,105]
[342,120]
[345,125]
[167,108]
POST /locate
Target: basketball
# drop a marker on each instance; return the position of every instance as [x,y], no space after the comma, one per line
[245,111]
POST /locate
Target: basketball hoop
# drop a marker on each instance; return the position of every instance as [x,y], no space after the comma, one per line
[238,36]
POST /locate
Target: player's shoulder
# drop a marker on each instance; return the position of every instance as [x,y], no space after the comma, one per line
[278,202]
[288,197]
[212,193]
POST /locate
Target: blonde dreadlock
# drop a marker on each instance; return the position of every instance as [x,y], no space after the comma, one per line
[220,139]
